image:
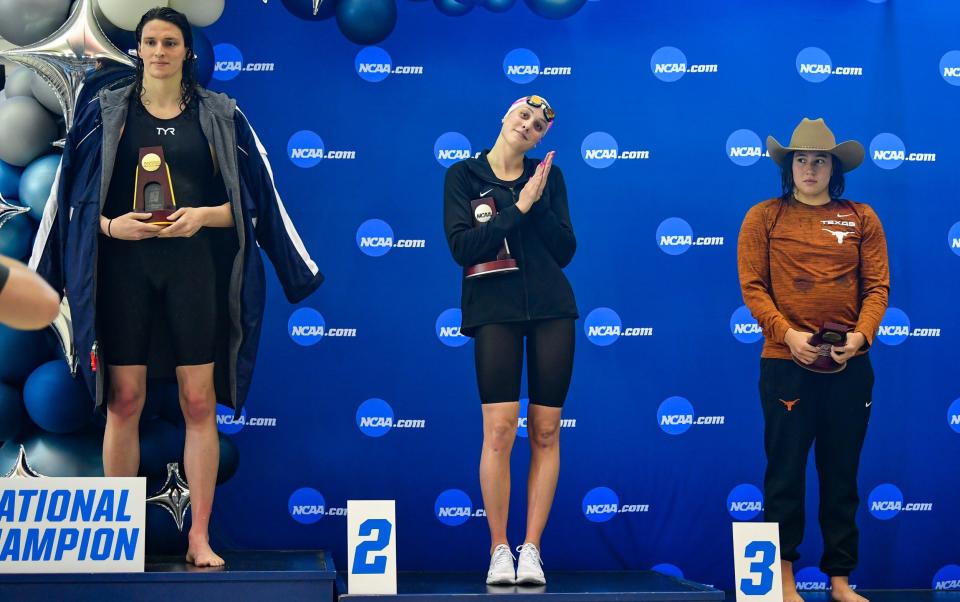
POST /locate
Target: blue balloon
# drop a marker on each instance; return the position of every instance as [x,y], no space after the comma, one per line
[229,459]
[555,9]
[366,22]
[56,401]
[11,412]
[78,454]
[454,8]
[498,6]
[205,59]
[36,182]
[163,400]
[16,236]
[160,444]
[22,351]
[304,9]
[9,180]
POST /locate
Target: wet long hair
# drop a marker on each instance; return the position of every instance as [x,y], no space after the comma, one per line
[835,187]
[188,83]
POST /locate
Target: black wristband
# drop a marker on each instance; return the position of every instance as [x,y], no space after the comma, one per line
[4,274]
[109,223]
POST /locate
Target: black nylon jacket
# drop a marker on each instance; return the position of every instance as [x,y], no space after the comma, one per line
[542,242]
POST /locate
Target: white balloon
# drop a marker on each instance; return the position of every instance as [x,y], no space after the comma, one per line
[46,95]
[125,14]
[200,13]
[18,82]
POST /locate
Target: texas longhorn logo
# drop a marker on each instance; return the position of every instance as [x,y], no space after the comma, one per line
[790,404]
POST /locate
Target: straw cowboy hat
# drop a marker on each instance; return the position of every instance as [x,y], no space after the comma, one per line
[814,135]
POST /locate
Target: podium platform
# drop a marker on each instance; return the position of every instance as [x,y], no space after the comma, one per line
[622,586]
[248,576]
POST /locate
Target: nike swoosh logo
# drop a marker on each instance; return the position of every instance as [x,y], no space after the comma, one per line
[483,194]
[844,215]
[869,403]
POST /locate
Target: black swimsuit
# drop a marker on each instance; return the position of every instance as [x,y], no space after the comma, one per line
[170,283]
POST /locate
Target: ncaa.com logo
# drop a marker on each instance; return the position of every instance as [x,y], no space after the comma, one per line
[953,238]
[452,147]
[886,501]
[306,149]
[228,63]
[675,416]
[953,416]
[950,67]
[306,327]
[454,507]
[888,152]
[375,419]
[745,502]
[375,238]
[600,150]
[522,66]
[947,578]
[812,579]
[565,423]
[601,504]
[307,506]
[669,64]
[448,328]
[373,64]
[603,327]
[815,65]
[675,236]
[744,327]
[228,425]
[895,328]
[744,148]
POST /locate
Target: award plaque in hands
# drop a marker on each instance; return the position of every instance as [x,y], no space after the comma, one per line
[152,186]
[483,212]
[828,336]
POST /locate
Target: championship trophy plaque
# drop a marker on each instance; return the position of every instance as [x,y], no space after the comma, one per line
[153,187]
[483,212]
[828,336]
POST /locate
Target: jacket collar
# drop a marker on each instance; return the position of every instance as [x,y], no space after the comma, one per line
[481,168]
[221,105]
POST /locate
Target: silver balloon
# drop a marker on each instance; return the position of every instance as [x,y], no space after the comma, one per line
[26,130]
[62,327]
[18,82]
[21,468]
[62,58]
[8,211]
[316,6]
[126,14]
[201,13]
[26,21]
[174,496]
[44,94]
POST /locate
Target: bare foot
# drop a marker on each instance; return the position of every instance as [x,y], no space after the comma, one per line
[199,553]
[840,591]
[789,583]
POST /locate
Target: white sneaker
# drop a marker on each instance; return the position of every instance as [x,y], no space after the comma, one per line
[529,569]
[501,567]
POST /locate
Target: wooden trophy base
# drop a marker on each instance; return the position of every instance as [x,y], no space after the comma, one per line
[500,266]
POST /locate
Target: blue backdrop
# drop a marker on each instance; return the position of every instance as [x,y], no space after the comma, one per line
[662,110]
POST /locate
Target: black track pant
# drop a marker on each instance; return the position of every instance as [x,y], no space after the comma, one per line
[499,360]
[799,408]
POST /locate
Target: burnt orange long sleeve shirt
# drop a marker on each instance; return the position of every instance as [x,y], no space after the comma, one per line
[803,265]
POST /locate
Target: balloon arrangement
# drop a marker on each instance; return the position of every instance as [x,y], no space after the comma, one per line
[42,406]
[372,21]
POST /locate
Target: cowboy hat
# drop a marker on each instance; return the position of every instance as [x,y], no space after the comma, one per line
[814,135]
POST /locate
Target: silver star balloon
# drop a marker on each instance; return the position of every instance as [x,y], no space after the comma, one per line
[21,469]
[9,211]
[63,58]
[316,6]
[174,496]
[62,327]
